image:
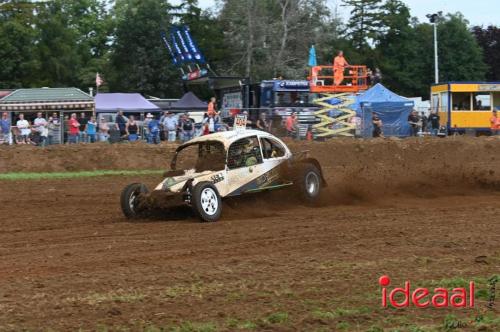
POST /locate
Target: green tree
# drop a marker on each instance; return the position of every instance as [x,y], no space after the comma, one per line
[17,33]
[56,47]
[270,38]
[405,51]
[93,25]
[364,22]
[398,54]
[461,57]
[139,61]
[489,40]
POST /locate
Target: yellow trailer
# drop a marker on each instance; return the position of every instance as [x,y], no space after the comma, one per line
[466,105]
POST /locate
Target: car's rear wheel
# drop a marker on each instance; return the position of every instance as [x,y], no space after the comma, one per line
[308,182]
[206,202]
[129,199]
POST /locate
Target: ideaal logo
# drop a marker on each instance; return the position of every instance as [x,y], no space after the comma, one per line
[423,297]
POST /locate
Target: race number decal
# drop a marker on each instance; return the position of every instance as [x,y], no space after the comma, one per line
[240,122]
[217,178]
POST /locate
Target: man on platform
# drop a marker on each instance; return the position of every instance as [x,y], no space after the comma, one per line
[339,66]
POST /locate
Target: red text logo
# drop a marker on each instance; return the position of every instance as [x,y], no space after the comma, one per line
[403,297]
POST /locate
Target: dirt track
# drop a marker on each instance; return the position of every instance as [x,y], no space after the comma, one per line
[426,211]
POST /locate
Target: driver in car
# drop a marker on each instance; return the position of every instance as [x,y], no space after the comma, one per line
[245,154]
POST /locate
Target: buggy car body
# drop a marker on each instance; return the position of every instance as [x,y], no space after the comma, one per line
[209,168]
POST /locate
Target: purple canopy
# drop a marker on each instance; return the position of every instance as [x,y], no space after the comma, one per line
[127,102]
[189,102]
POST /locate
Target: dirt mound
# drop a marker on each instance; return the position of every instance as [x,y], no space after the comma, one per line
[364,169]
[85,157]
[357,170]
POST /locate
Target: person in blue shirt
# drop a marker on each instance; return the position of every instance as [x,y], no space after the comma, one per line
[5,128]
[91,130]
[154,130]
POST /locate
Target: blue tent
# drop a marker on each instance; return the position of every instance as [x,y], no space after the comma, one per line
[391,108]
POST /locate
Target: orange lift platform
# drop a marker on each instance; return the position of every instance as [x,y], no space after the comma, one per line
[322,81]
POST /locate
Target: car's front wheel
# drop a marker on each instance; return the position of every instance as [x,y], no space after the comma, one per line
[206,202]
[129,199]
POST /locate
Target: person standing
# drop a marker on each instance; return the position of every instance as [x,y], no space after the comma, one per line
[74,129]
[212,107]
[170,127]
[377,126]
[414,121]
[187,128]
[154,130]
[82,135]
[494,123]
[209,123]
[54,128]
[434,121]
[132,129]
[121,123]
[91,129]
[66,129]
[145,128]
[5,128]
[424,121]
[103,130]
[369,77]
[163,131]
[40,126]
[291,125]
[262,123]
[51,126]
[339,66]
[24,126]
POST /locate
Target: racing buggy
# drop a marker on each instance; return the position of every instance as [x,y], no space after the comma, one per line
[210,168]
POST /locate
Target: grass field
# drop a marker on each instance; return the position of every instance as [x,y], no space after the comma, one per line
[71,175]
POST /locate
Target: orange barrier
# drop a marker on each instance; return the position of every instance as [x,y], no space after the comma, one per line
[321,79]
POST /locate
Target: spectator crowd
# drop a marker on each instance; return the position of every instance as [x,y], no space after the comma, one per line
[85,128]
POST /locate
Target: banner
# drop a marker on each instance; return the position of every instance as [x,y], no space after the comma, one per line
[185,50]
[195,74]
[193,47]
[177,49]
[169,47]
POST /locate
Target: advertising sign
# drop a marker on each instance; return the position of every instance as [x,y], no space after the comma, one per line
[175,60]
[193,48]
[185,50]
[232,100]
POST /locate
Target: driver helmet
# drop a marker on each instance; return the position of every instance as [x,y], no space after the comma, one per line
[247,145]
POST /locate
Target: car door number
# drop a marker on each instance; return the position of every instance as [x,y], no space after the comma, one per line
[217,178]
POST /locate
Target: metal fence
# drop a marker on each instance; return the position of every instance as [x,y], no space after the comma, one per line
[56,127]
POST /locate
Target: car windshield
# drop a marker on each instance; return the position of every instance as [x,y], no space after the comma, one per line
[204,156]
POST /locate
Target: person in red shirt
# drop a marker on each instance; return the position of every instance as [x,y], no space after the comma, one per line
[494,123]
[339,65]
[74,129]
[212,107]
[291,125]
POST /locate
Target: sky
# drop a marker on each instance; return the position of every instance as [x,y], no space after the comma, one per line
[478,12]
